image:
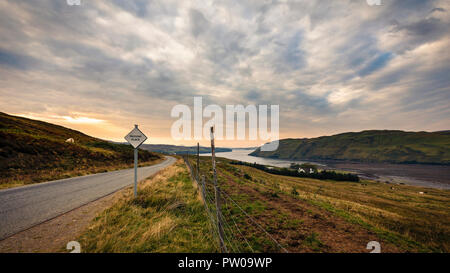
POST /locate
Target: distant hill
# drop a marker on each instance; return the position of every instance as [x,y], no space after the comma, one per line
[173,149]
[368,146]
[34,151]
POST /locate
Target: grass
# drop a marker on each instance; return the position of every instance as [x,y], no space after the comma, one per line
[400,217]
[167,216]
[22,178]
[313,241]
[369,146]
[410,220]
[301,214]
[33,151]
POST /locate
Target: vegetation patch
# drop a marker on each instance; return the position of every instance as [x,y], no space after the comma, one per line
[322,175]
[167,216]
[391,146]
[33,151]
[312,215]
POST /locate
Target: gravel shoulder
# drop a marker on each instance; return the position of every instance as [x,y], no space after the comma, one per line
[53,235]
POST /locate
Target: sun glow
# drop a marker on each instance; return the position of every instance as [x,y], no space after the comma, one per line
[82,120]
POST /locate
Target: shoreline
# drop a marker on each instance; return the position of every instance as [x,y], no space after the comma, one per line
[422,175]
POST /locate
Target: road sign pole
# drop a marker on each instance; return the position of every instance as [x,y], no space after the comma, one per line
[135,138]
[135,171]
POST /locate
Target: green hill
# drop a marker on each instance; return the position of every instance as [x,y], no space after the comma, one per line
[368,146]
[174,149]
[34,151]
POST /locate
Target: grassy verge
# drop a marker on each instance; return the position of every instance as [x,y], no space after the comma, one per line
[18,178]
[308,215]
[33,151]
[167,216]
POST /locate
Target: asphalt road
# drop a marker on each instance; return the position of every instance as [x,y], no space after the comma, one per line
[24,207]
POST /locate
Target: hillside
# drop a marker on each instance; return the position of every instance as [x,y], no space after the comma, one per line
[267,213]
[304,214]
[368,146]
[33,151]
[174,149]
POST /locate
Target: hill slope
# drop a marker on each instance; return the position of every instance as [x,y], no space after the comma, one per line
[173,149]
[33,151]
[368,146]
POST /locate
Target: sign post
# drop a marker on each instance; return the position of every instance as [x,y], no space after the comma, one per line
[135,171]
[135,138]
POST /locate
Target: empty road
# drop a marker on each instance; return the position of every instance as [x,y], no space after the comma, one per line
[24,207]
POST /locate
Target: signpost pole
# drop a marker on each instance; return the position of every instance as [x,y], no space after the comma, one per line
[135,171]
[135,138]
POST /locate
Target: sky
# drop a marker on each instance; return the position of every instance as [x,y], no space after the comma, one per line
[331,66]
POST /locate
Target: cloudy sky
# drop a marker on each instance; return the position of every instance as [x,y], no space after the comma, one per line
[331,66]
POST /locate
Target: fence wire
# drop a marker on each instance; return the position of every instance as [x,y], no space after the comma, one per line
[233,237]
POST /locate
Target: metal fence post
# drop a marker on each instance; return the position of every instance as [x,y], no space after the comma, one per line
[217,195]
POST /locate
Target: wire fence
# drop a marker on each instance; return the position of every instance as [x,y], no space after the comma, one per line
[227,224]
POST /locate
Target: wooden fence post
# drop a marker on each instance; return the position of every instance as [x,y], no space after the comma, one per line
[223,248]
[203,186]
[198,161]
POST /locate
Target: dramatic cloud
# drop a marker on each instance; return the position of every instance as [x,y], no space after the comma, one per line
[332,66]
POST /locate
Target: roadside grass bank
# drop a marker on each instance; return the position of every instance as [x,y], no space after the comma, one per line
[33,151]
[310,215]
[167,216]
[21,178]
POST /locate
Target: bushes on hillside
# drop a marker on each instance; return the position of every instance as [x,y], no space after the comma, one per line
[322,175]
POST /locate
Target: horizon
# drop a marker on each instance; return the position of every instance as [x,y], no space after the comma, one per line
[207,142]
[322,127]
[332,67]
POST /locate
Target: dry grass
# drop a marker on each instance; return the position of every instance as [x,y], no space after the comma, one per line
[167,216]
[33,151]
[21,179]
[398,213]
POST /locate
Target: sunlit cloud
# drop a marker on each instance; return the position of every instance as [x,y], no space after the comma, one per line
[82,120]
[332,66]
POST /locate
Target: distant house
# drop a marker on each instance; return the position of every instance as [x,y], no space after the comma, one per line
[70,140]
[301,170]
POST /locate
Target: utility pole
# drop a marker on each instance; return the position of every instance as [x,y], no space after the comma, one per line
[223,248]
